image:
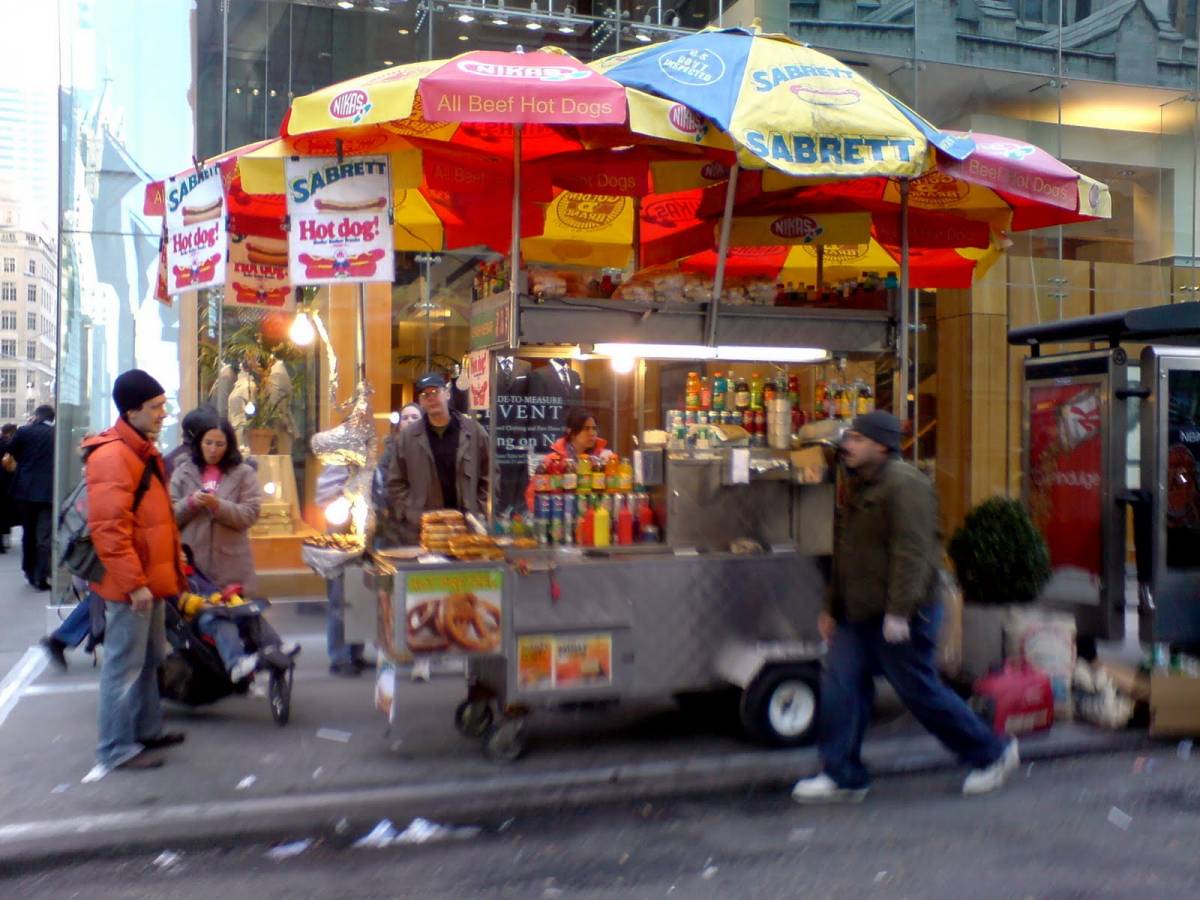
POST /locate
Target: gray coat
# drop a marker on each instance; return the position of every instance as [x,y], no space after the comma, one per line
[412,482]
[220,540]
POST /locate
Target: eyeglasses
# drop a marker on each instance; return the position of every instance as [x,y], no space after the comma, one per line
[429,392]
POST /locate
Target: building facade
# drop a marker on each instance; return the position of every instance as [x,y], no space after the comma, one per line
[1110,86]
[28,306]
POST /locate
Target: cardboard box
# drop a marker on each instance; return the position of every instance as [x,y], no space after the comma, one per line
[1129,681]
[1174,705]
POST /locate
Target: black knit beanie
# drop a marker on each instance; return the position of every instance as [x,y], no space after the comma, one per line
[133,388]
[881,427]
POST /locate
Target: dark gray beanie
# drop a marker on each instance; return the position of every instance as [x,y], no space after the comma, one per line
[881,427]
[133,388]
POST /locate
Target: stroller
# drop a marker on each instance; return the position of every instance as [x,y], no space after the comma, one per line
[193,672]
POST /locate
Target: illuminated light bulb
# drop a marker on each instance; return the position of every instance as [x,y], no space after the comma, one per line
[394,418]
[269,489]
[466,17]
[251,409]
[338,512]
[622,363]
[302,332]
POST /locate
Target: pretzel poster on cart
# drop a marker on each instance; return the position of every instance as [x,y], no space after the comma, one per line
[453,613]
[340,220]
[258,273]
[195,231]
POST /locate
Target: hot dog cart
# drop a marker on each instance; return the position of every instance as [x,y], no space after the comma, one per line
[728,597]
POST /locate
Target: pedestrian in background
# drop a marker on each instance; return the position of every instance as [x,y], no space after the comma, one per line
[883,616]
[7,466]
[143,566]
[32,449]
[198,421]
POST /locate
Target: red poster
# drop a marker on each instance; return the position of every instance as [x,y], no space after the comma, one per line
[1065,478]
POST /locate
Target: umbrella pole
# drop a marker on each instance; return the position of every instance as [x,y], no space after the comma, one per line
[361,337]
[710,329]
[427,302]
[514,270]
[820,268]
[901,404]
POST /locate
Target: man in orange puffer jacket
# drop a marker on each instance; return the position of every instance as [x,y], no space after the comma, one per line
[143,565]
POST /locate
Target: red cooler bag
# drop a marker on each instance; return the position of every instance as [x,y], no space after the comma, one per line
[1015,699]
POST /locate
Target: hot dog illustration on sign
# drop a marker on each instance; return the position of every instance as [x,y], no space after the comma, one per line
[340,217]
[195,237]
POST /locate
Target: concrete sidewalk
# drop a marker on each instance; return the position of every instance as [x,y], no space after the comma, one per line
[337,766]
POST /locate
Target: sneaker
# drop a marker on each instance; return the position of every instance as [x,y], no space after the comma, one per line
[420,670]
[289,648]
[823,789]
[983,781]
[54,649]
[244,667]
[147,759]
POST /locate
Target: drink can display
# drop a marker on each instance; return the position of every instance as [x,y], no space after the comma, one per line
[541,518]
[568,519]
[702,418]
[692,417]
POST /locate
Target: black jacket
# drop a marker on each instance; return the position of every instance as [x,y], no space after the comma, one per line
[33,449]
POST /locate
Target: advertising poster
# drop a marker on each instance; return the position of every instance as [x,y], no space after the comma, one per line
[477,373]
[340,214]
[257,273]
[564,661]
[535,662]
[195,221]
[1065,484]
[1183,470]
[453,613]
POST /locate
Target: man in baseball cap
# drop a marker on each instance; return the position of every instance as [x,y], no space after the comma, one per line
[883,614]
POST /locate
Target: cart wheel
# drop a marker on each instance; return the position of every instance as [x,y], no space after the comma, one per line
[505,742]
[279,692]
[780,706]
[473,718]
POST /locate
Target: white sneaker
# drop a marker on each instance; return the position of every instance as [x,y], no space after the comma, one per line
[823,789]
[244,667]
[421,670]
[289,648]
[983,781]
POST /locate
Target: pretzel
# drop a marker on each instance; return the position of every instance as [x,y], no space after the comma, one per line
[469,622]
[424,618]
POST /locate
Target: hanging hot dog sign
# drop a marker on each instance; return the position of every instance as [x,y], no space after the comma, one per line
[340,220]
[195,235]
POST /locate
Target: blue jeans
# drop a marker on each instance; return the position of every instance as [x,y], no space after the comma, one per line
[76,626]
[225,635]
[859,652]
[134,646]
[335,624]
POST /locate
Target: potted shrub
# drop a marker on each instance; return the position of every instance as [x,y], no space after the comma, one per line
[1002,562]
[260,429]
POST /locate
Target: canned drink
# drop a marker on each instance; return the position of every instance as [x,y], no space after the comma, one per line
[541,519]
[735,418]
[568,520]
[702,417]
[556,519]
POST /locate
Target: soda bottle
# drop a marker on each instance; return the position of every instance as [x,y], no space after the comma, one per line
[691,392]
[819,400]
[602,526]
[625,476]
[612,471]
[541,479]
[842,401]
[625,523]
[770,391]
[756,391]
[741,395]
[554,469]
[706,393]
[599,481]
[583,475]
[866,399]
[720,387]
[570,478]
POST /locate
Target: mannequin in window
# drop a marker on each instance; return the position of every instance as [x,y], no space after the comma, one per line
[243,393]
[512,376]
[221,389]
[279,400]
[556,379]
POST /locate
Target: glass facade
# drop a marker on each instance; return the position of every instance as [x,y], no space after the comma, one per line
[1110,87]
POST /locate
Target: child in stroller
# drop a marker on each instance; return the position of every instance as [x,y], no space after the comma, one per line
[218,640]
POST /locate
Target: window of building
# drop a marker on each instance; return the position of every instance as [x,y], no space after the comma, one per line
[31,350]
[30,381]
[9,291]
[31,320]
[29,402]
[30,293]
[8,349]
[10,265]
[8,380]
[8,320]
[32,267]
[8,408]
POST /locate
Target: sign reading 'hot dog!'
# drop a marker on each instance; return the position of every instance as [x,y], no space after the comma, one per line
[340,213]
[195,235]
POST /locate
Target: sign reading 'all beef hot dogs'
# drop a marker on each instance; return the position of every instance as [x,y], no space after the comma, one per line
[340,214]
[195,235]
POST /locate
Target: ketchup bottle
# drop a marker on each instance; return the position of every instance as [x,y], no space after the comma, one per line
[625,523]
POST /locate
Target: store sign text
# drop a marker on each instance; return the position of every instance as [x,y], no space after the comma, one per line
[187,185]
[356,229]
[543,106]
[768,79]
[303,188]
[199,239]
[825,149]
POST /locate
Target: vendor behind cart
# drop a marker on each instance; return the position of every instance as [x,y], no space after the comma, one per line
[581,438]
[438,462]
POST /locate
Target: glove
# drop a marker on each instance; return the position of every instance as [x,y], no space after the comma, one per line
[895,629]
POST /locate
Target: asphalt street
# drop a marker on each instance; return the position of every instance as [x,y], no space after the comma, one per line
[1123,825]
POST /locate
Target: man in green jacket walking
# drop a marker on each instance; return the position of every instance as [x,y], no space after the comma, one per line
[882,616]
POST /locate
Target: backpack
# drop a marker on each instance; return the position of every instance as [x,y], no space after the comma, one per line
[76,553]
